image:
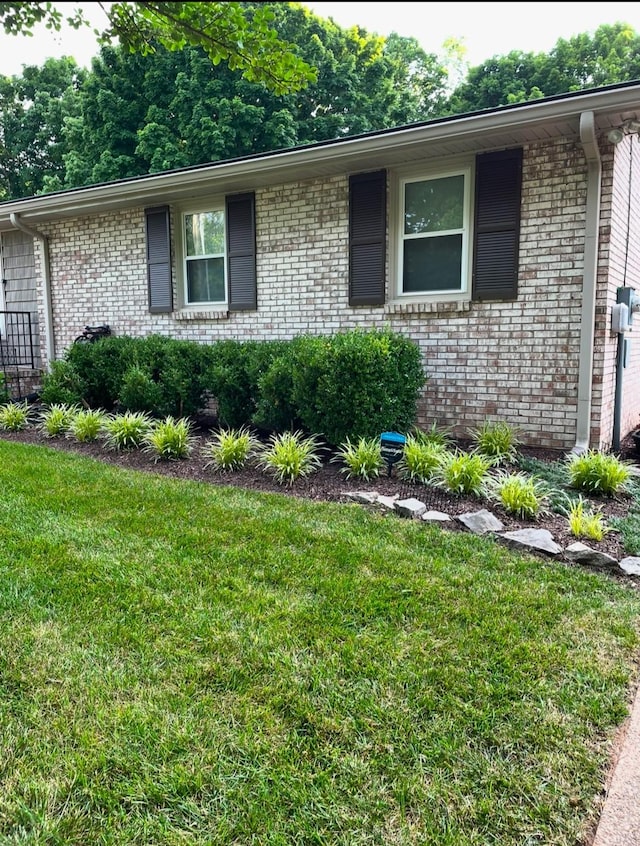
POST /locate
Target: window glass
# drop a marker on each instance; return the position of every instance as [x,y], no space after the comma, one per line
[434,205]
[433,264]
[434,233]
[204,245]
[205,280]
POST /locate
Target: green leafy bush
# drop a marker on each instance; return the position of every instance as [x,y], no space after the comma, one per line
[14,416]
[86,425]
[290,455]
[597,473]
[463,473]
[170,439]
[101,366]
[362,460]
[127,430]
[138,391]
[55,420]
[356,384]
[4,392]
[421,458]
[230,449]
[519,494]
[62,384]
[234,379]
[584,523]
[498,441]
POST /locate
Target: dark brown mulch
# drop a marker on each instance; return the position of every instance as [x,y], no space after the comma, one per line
[329,484]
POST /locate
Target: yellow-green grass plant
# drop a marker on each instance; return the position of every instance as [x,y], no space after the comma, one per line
[170,439]
[231,449]
[362,459]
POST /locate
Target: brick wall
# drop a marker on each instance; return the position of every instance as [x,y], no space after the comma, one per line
[515,361]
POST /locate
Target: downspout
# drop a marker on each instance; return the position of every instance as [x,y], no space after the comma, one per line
[589,279]
[50,346]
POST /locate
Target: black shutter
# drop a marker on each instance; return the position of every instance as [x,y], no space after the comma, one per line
[367,237]
[497,225]
[159,260]
[241,252]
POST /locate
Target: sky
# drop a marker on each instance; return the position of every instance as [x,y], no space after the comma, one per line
[485,29]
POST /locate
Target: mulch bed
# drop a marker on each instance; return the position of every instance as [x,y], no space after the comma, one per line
[329,484]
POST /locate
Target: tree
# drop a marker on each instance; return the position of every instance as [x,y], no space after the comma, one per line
[610,55]
[239,34]
[33,111]
[172,109]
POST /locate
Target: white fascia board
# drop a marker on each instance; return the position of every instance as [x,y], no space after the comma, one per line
[338,155]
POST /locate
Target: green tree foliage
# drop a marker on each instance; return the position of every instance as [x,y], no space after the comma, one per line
[33,111]
[610,55]
[239,34]
[141,114]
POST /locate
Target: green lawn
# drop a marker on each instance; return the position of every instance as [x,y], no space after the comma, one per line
[182,664]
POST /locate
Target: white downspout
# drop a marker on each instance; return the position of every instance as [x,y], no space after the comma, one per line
[590,275]
[50,346]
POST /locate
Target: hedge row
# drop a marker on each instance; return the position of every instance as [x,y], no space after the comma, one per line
[353,384]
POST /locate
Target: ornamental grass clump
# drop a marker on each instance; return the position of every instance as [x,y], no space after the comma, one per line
[584,523]
[463,473]
[86,425]
[127,430]
[14,416]
[519,494]
[291,455]
[421,459]
[230,449]
[362,460]
[594,472]
[55,420]
[498,441]
[170,439]
[435,435]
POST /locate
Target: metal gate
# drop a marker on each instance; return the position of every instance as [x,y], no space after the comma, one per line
[17,352]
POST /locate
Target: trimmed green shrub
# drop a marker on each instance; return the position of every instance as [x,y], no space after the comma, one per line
[4,392]
[63,384]
[139,392]
[356,384]
[234,378]
[101,367]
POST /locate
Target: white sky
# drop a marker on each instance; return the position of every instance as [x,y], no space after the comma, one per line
[486,29]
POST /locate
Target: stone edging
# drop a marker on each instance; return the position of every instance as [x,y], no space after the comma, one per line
[484,522]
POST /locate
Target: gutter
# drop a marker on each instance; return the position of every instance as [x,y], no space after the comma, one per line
[46,272]
[588,311]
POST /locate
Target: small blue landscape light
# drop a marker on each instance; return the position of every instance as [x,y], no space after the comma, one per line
[391,448]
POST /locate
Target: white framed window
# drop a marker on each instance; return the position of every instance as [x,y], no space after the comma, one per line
[433,234]
[204,257]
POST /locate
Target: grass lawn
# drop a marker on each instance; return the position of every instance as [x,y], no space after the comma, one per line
[184,664]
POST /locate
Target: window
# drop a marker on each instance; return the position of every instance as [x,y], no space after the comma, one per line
[434,220]
[204,257]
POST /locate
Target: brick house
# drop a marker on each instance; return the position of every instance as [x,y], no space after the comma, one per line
[497,240]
